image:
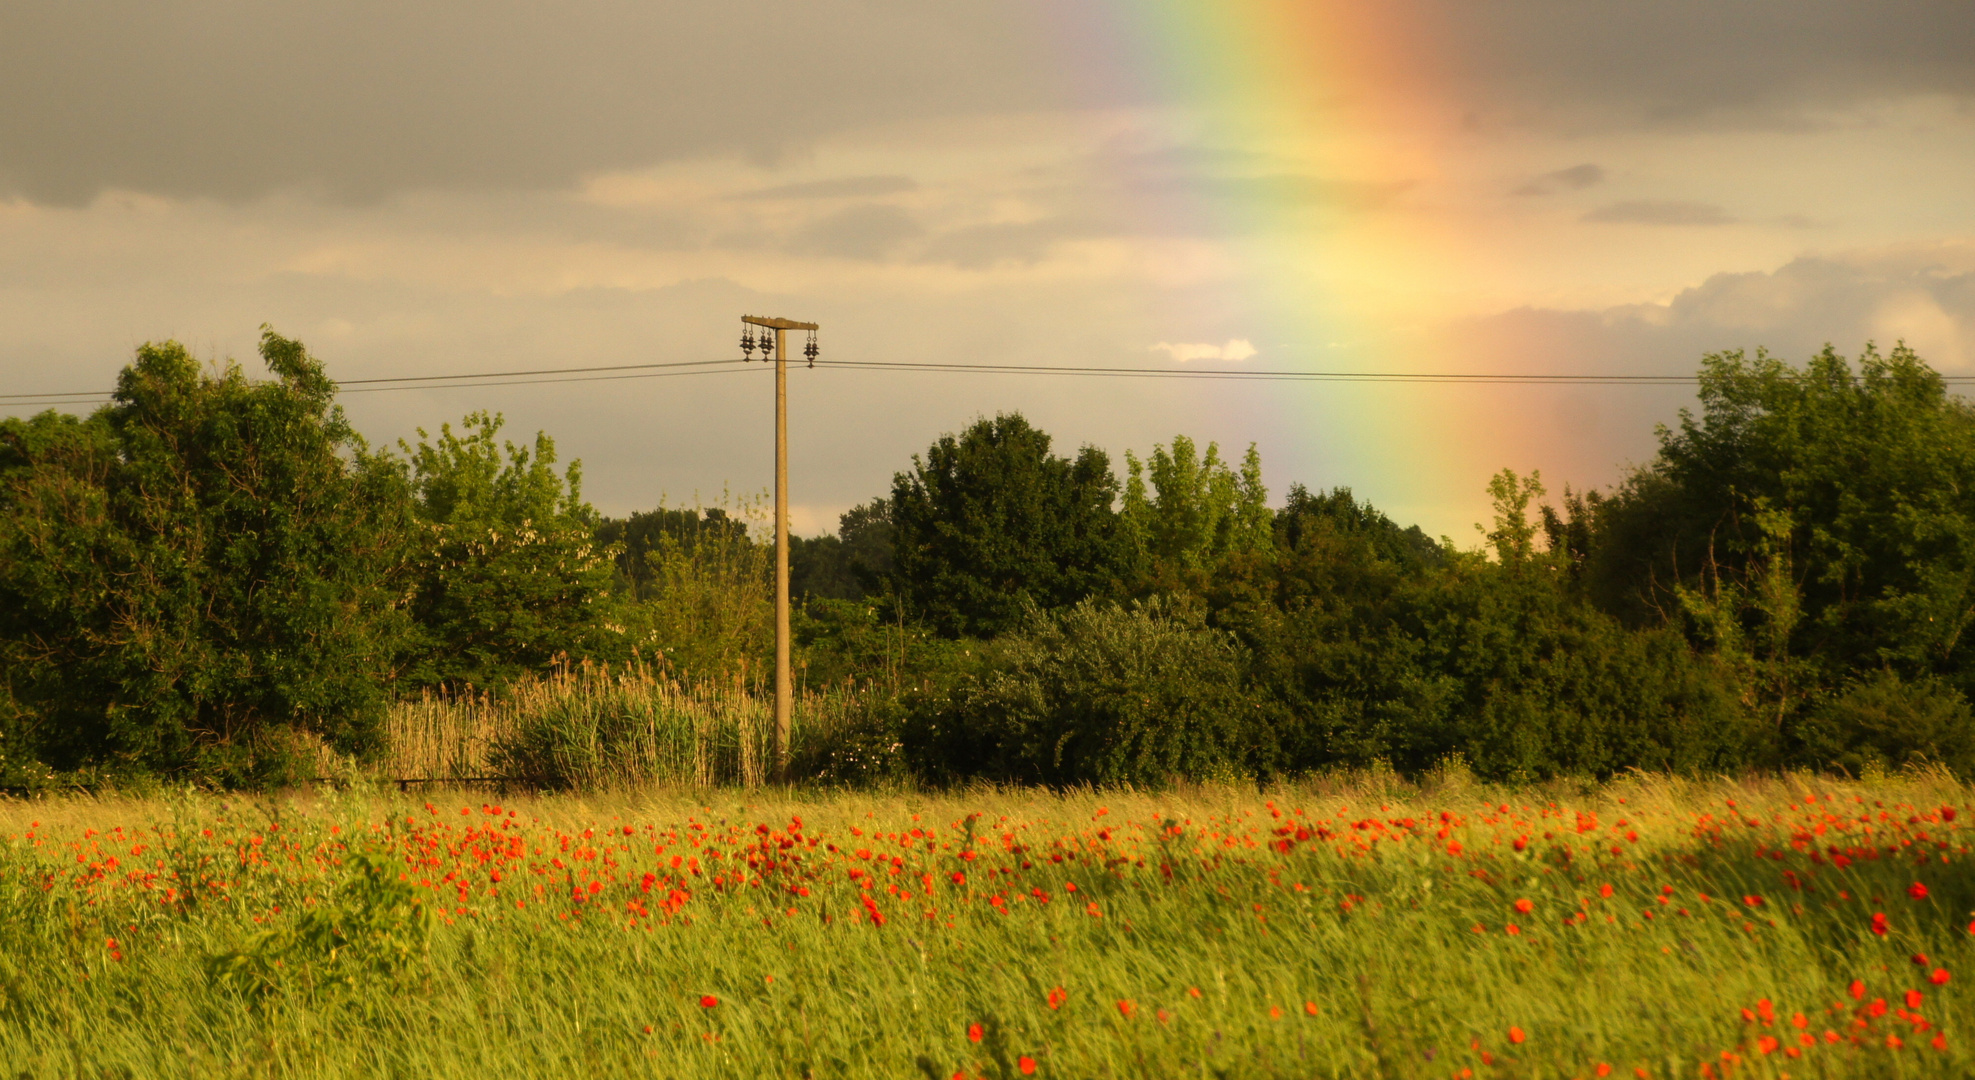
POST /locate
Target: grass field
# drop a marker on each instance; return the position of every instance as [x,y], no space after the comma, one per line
[1649,927]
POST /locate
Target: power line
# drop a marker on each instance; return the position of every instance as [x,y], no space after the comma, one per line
[526,377]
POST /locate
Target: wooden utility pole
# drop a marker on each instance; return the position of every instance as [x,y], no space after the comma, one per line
[784,684]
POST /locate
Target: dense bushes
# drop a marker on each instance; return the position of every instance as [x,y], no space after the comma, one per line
[1097,694]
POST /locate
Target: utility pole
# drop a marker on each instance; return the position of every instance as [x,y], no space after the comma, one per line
[784,684]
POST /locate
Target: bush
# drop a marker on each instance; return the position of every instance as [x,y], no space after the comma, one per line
[1888,721]
[1101,693]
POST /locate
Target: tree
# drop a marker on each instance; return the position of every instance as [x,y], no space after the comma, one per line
[1860,482]
[990,522]
[510,575]
[199,572]
[1199,511]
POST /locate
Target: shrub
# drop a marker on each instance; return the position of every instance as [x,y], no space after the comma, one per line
[1885,721]
[1100,693]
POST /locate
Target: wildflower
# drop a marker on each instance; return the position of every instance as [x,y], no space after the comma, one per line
[1917,891]
[1939,977]
[1767,1044]
[973,1033]
[1193,991]
[1057,997]
[1913,999]
[1940,1042]
[1603,1069]
[1026,1064]
[1605,891]
[1310,1008]
[1525,906]
[1516,1035]
[708,1001]
[1919,959]
[1513,929]
[1126,1008]
[1090,909]
[1879,923]
[1275,1012]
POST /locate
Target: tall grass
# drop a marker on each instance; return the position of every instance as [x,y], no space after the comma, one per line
[1655,927]
[593,726]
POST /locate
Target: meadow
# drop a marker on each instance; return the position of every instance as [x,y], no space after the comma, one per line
[1356,926]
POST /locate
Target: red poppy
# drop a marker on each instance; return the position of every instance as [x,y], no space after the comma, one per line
[1913,999]
[973,1033]
[1525,906]
[1090,909]
[1516,1035]
[1026,1064]
[1857,989]
[1917,891]
[708,1001]
[1939,977]
[1310,1007]
[1126,1008]
[1057,997]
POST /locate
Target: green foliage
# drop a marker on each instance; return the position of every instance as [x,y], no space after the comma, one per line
[197,572]
[989,523]
[1100,693]
[1884,722]
[372,933]
[1199,511]
[1865,477]
[855,564]
[704,595]
[510,575]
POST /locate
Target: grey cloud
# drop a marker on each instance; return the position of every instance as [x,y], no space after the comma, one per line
[359,99]
[867,231]
[1660,212]
[1762,63]
[840,188]
[1575,178]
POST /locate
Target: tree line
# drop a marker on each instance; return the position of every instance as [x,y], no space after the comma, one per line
[210,568]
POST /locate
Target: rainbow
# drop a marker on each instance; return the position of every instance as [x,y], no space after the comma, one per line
[1336,111]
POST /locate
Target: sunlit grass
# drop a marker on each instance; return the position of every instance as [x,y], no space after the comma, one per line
[1351,928]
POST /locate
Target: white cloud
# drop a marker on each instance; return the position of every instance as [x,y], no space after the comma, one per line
[1235,349]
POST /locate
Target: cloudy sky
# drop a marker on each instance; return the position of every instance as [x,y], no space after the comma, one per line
[1413,185]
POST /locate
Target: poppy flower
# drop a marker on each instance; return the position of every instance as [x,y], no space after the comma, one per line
[708,1001]
[1090,909]
[1913,999]
[1126,1008]
[1057,997]
[1525,906]
[1026,1064]
[1516,1035]
[1917,891]
[1310,1007]
[973,1033]
[1939,977]
[1857,989]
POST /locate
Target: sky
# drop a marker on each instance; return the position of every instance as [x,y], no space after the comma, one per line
[1520,186]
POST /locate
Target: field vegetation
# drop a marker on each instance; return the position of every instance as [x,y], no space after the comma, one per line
[1346,927]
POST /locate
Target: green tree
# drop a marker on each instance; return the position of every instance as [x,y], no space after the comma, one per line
[990,522]
[1861,480]
[1198,511]
[199,573]
[510,574]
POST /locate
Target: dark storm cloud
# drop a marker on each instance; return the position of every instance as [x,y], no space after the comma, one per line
[1660,212]
[232,98]
[1655,62]
[362,98]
